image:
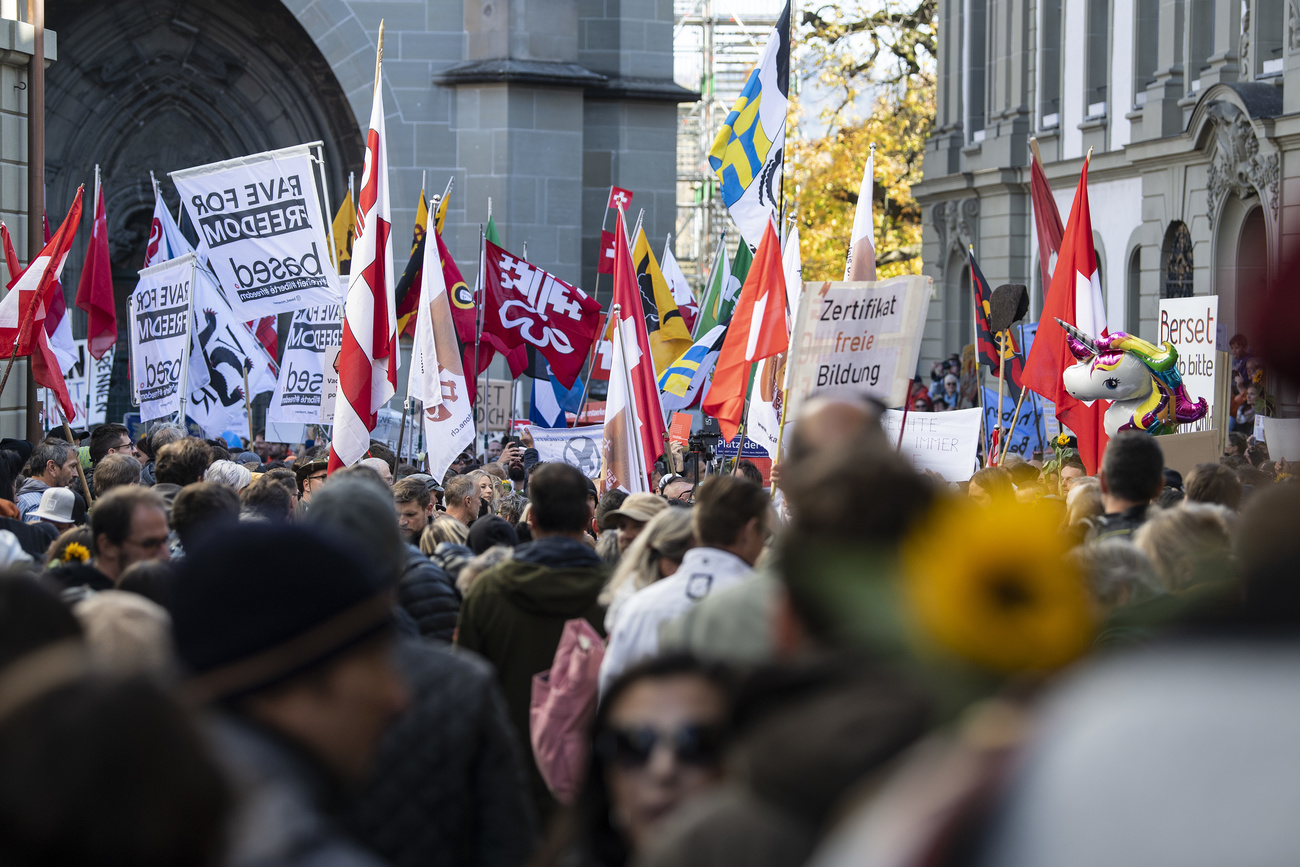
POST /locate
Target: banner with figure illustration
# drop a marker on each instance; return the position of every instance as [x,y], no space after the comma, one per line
[260,227]
[315,335]
[159,314]
[579,446]
[230,359]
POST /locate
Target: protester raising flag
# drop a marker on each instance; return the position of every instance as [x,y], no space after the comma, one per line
[986,342]
[95,291]
[1074,297]
[683,297]
[634,420]
[1047,220]
[525,306]
[757,330]
[669,336]
[345,232]
[437,375]
[860,263]
[368,358]
[407,291]
[748,152]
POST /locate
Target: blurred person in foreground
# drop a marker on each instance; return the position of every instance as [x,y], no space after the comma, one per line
[514,614]
[657,742]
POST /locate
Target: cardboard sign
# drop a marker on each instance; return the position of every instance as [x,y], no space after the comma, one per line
[1283,438]
[494,401]
[579,446]
[1191,325]
[1183,451]
[864,337]
[260,227]
[945,442]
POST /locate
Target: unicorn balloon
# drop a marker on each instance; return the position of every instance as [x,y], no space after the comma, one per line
[1141,379]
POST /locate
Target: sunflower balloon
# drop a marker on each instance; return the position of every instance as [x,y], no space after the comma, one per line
[999,592]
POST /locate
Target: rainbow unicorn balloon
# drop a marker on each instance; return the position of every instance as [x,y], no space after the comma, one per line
[1141,379]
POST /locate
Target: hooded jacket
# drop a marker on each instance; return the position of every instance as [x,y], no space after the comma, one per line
[429,595]
[515,612]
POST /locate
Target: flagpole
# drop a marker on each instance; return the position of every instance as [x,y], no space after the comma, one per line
[637,446]
[401,431]
[325,193]
[636,230]
[67,431]
[248,404]
[591,364]
[979,374]
[1014,419]
[713,268]
[35,176]
[184,382]
[478,321]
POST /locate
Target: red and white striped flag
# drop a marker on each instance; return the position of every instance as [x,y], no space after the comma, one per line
[368,358]
[23,310]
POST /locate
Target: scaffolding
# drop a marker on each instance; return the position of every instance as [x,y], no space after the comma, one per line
[714,50]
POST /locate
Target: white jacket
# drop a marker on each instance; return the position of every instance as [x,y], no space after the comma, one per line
[634,635]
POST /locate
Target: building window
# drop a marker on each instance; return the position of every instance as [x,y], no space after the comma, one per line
[1049,66]
[1268,23]
[1178,262]
[1200,40]
[1098,57]
[1133,293]
[1146,48]
[976,44]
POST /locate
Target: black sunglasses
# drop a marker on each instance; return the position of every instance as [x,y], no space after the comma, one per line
[699,745]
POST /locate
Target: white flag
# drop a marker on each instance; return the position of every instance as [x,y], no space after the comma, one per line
[860,263]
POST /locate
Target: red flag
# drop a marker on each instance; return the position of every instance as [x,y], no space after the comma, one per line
[1074,296]
[605,264]
[367,362]
[1047,220]
[23,310]
[46,372]
[95,291]
[11,256]
[644,386]
[619,199]
[523,305]
[757,331]
[264,330]
[464,313]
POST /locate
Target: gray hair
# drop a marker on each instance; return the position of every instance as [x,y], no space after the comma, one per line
[491,557]
[1117,572]
[228,473]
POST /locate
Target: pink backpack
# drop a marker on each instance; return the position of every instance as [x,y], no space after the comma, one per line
[564,702]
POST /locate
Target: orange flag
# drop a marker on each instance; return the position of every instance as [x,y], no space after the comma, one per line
[757,330]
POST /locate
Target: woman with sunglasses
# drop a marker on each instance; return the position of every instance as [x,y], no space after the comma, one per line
[657,741]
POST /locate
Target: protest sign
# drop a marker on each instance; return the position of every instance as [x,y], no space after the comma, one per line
[865,337]
[260,227]
[76,381]
[229,358]
[99,378]
[679,429]
[1190,324]
[579,446]
[313,333]
[159,317]
[944,442]
[1183,451]
[494,401]
[1030,426]
[1283,438]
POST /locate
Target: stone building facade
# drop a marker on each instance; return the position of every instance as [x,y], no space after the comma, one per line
[1192,108]
[538,105]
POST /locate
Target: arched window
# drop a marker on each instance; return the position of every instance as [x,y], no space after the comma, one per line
[1177,282]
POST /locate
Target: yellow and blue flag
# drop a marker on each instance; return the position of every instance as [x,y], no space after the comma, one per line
[748,153]
[680,384]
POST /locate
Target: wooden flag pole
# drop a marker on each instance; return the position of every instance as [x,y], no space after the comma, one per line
[35,178]
[1015,418]
[248,406]
[1002,367]
[401,435]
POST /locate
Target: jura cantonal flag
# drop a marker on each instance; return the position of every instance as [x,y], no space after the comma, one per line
[757,330]
[368,358]
[95,291]
[1074,297]
[748,153]
[860,263]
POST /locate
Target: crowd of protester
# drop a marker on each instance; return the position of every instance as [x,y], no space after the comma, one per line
[218,655]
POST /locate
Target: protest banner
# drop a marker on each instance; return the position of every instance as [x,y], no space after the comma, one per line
[160,334]
[579,446]
[864,337]
[99,378]
[229,358]
[313,333]
[77,384]
[260,227]
[1283,438]
[945,442]
[1191,325]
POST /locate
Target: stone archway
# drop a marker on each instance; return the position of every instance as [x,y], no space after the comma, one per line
[159,85]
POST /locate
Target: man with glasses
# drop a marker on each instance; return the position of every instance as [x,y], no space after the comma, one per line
[129,525]
[311,475]
[678,489]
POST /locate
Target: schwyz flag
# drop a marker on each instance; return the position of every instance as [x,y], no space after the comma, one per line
[986,348]
[368,358]
[1074,297]
[524,305]
[748,153]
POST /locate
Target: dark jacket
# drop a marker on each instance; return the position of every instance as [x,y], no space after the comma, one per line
[809,732]
[280,795]
[1118,525]
[429,595]
[35,538]
[515,612]
[448,784]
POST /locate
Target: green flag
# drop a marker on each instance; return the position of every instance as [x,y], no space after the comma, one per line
[491,232]
[708,317]
[739,271]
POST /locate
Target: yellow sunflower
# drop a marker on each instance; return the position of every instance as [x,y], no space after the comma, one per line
[1063,440]
[993,586]
[76,551]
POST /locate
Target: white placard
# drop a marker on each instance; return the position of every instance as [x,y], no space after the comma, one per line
[863,337]
[1191,325]
[99,378]
[315,334]
[159,314]
[579,446]
[76,382]
[1283,438]
[945,442]
[260,227]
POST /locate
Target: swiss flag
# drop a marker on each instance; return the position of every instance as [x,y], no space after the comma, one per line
[619,199]
[606,263]
[757,331]
[23,310]
[1074,296]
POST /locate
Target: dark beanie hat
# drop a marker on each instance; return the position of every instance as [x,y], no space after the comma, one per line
[491,530]
[253,609]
